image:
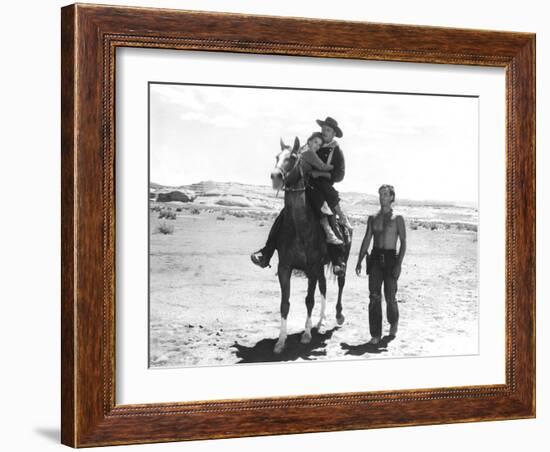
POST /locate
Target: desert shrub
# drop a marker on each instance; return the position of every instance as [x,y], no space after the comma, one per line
[238,214]
[195,211]
[165,228]
[220,217]
[433,226]
[262,224]
[179,209]
[414,226]
[155,209]
[167,214]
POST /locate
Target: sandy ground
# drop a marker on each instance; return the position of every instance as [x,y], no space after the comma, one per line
[209,305]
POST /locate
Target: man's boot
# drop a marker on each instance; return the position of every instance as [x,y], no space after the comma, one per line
[262,257]
[342,218]
[331,236]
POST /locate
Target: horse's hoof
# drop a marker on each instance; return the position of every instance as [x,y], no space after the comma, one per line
[306,338]
[321,328]
[279,346]
[340,319]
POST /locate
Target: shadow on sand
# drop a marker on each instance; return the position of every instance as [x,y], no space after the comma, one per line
[262,352]
[361,349]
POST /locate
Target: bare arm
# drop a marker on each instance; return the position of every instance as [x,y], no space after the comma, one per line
[363,251]
[402,234]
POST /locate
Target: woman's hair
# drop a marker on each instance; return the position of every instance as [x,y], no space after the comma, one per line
[390,188]
[315,135]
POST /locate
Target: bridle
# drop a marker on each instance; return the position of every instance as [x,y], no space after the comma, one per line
[284,175]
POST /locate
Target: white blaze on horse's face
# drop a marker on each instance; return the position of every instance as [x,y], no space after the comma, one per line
[284,162]
[282,167]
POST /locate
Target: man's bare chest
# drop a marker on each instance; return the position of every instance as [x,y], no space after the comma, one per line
[384,224]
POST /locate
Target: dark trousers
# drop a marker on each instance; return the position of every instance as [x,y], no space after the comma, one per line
[271,242]
[381,264]
[321,190]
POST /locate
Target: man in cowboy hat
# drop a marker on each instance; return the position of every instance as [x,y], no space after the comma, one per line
[321,184]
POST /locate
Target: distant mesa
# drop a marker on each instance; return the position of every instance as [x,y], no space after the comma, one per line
[167,195]
[234,201]
[262,199]
[222,194]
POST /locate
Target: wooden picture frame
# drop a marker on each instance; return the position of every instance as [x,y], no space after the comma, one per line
[90,35]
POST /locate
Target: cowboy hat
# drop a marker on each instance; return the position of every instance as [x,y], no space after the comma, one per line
[333,124]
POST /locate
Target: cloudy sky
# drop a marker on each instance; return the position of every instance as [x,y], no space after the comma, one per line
[426,146]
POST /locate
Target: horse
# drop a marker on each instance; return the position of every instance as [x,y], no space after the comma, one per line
[301,245]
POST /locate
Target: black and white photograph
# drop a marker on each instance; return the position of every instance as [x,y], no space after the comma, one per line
[294,225]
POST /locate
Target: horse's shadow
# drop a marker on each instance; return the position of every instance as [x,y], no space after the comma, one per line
[361,349]
[263,351]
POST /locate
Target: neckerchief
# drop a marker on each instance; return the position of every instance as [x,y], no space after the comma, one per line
[332,145]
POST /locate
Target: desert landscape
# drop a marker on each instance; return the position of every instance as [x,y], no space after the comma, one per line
[209,305]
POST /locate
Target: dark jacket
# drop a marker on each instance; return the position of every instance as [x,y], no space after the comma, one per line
[339,171]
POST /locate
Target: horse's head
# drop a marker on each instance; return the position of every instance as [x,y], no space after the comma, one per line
[285,161]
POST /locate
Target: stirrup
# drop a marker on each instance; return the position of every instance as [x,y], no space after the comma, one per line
[260,261]
[339,270]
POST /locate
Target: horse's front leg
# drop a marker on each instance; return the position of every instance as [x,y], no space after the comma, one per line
[284,281]
[339,316]
[323,290]
[310,302]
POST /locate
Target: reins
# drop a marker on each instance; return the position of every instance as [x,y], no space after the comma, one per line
[290,189]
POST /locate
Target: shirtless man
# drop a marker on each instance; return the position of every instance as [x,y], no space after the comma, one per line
[383,264]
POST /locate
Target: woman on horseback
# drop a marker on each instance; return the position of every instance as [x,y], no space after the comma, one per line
[313,166]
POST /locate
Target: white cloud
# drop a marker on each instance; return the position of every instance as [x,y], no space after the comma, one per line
[174,94]
[194,116]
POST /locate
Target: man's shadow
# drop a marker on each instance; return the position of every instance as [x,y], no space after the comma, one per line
[263,351]
[362,349]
